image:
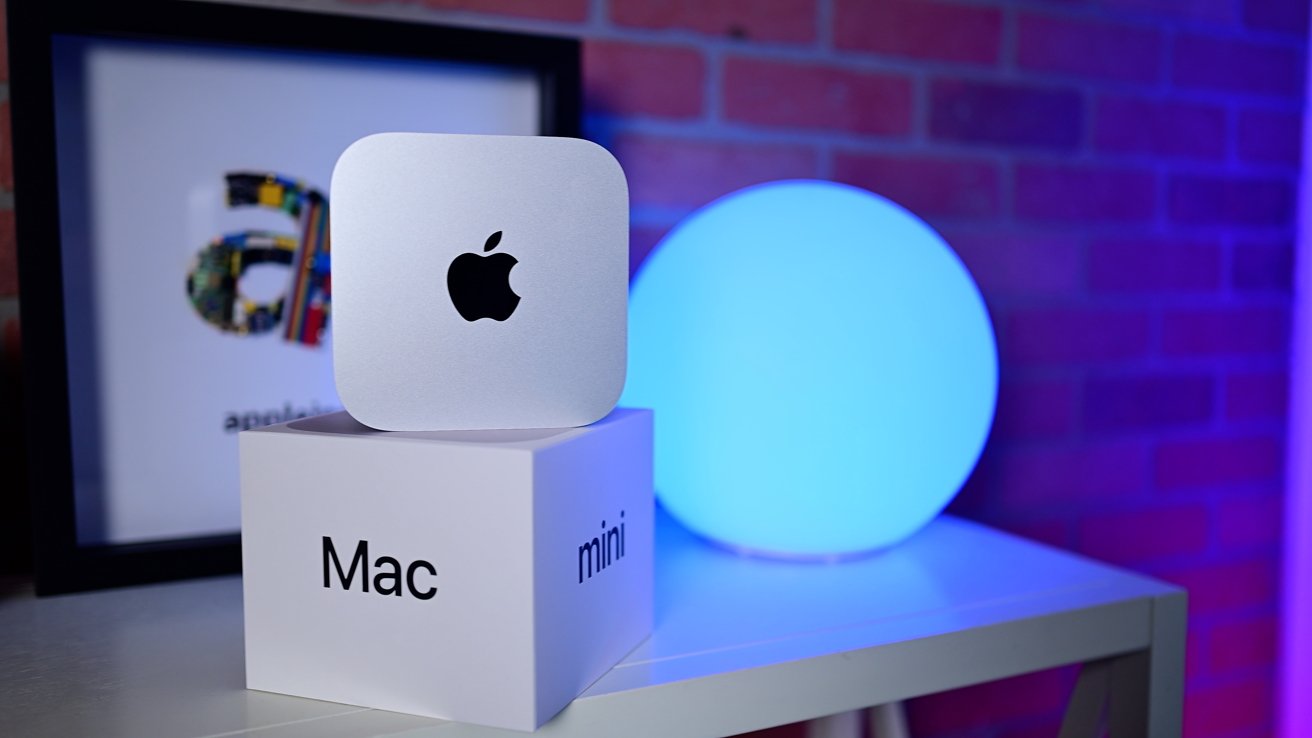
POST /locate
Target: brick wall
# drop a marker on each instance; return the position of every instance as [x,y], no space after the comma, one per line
[1119,175]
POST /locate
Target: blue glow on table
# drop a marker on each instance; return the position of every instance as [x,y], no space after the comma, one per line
[822,367]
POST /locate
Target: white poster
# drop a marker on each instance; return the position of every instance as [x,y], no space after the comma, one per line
[194,190]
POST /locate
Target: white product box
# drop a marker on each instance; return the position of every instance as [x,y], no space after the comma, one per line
[480,576]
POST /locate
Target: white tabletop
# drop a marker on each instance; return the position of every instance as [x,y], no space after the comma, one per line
[740,644]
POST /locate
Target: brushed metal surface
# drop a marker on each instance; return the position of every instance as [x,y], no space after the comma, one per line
[405,206]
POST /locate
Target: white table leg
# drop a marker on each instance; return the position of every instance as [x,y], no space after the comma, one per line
[842,725]
[886,721]
[889,721]
[1164,672]
[1127,704]
[1142,692]
[1147,688]
[1084,711]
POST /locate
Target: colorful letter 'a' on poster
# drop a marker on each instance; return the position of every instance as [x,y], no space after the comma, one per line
[213,284]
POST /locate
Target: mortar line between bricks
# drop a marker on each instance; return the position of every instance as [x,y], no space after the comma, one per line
[1231,158]
[598,14]
[824,25]
[1163,175]
[1218,421]
[1009,44]
[1007,191]
[825,162]
[1229,243]
[921,94]
[1166,62]
[713,88]
[1088,119]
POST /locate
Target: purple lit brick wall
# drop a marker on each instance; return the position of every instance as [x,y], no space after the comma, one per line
[1120,177]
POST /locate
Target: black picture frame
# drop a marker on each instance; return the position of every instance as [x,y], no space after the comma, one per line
[61,564]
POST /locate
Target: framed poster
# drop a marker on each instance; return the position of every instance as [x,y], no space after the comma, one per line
[172,168]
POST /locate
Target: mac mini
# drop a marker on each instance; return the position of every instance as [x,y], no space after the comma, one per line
[479,282]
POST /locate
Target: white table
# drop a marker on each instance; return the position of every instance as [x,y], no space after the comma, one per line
[740,644]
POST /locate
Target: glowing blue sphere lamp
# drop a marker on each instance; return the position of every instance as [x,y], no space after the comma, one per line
[822,367]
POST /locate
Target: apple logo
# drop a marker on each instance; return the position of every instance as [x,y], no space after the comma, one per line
[480,285]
